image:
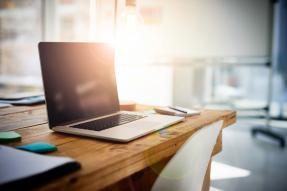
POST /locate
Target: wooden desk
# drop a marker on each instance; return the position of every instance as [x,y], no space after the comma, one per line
[107,165]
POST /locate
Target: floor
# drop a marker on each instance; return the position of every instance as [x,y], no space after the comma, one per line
[248,163]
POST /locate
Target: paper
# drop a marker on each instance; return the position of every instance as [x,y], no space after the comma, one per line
[169,111]
[24,101]
[3,105]
[20,95]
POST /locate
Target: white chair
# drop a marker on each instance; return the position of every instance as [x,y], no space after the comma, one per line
[186,170]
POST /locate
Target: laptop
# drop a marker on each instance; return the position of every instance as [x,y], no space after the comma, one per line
[81,94]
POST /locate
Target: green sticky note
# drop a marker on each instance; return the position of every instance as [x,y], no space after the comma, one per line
[9,136]
[38,147]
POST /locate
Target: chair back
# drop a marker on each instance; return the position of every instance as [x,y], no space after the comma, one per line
[186,170]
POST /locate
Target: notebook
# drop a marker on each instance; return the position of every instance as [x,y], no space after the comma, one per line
[21,168]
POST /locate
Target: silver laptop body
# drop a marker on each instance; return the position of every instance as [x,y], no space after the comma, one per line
[81,94]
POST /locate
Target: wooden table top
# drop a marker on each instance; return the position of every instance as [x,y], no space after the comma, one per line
[105,163]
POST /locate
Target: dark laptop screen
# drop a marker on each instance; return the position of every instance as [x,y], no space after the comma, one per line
[79,81]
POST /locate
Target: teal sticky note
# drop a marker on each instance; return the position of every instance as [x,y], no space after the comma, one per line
[9,136]
[38,147]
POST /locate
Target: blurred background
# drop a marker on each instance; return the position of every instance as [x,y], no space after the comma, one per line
[226,54]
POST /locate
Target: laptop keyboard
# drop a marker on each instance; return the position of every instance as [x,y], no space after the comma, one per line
[109,122]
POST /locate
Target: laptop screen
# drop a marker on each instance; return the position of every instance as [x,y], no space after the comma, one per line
[79,81]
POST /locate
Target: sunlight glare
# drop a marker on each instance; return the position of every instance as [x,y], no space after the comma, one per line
[224,171]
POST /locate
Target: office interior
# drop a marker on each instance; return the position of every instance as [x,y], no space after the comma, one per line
[215,54]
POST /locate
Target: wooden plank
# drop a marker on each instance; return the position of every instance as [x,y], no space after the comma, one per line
[144,180]
[105,163]
[17,117]
[122,160]
[23,119]
[19,109]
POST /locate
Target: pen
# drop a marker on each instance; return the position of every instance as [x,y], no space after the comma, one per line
[176,109]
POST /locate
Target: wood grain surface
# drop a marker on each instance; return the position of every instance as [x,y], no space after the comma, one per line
[104,163]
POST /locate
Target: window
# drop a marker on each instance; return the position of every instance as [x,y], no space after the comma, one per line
[20,31]
[24,23]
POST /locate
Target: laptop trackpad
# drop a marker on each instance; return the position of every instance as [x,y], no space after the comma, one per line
[133,128]
[144,125]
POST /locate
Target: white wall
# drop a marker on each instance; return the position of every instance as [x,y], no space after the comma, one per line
[204,28]
[189,29]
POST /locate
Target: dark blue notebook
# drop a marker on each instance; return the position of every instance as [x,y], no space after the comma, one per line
[23,170]
[33,100]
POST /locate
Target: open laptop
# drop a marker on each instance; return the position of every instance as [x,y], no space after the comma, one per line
[81,94]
